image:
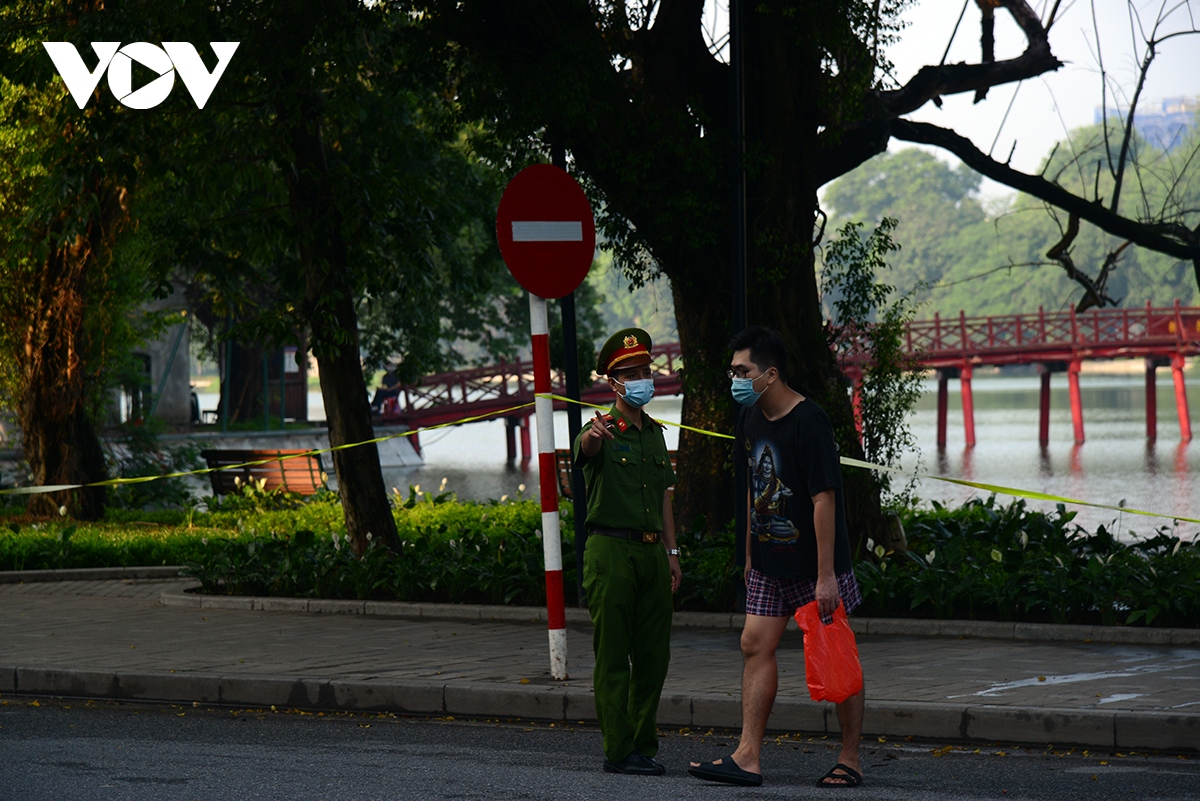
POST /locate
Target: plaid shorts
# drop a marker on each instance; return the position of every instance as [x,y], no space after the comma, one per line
[772,596]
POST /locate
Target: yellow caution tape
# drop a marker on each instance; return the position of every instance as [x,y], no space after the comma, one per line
[655,419]
[1000,489]
[204,471]
[995,488]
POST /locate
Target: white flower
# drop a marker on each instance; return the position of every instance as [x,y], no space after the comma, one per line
[929,557]
[335,538]
[1024,539]
[443,485]
[62,510]
[520,488]
[997,556]
[879,551]
[503,498]
[369,536]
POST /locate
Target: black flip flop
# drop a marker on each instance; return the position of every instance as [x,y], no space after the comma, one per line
[727,772]
[849,777]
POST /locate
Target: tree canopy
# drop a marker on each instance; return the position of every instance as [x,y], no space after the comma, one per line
[644,102]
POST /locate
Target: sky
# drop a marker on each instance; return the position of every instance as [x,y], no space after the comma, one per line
[1046,107]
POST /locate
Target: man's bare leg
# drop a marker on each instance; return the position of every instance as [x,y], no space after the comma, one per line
[760,679]
[850,718]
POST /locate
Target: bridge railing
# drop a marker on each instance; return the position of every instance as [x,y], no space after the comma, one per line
[1101,333]
[508,381]
[1055,330]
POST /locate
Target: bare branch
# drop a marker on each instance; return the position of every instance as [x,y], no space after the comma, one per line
[1061,253]
[1173,239]
[933,82]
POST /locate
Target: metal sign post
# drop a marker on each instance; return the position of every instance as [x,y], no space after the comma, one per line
[547,236]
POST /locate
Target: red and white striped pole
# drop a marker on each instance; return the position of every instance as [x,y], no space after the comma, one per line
[543,407]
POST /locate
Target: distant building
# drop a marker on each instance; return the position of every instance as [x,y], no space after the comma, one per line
[1163,123]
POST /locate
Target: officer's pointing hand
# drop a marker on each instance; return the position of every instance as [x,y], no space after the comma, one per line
[599,428]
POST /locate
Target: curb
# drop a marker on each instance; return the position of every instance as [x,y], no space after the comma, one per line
[89,574]
[1114,730]
[874,626]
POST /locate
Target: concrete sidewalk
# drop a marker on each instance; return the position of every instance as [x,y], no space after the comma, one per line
[146,639]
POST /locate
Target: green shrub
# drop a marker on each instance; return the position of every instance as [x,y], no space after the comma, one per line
[61,545]
[979,561]
[985,562]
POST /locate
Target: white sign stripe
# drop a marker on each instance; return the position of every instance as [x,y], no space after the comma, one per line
[547,231]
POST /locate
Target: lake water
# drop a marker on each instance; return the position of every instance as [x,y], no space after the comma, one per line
[1115,463]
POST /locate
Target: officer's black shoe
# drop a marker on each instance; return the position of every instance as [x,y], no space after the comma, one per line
[636,765]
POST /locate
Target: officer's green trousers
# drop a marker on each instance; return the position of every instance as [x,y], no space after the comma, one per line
[629,596]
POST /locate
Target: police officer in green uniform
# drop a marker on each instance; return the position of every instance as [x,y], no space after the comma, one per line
[631,563]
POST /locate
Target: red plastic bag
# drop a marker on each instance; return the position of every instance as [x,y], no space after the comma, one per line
[831,664]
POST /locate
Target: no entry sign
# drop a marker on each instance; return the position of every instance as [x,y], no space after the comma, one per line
[546,231]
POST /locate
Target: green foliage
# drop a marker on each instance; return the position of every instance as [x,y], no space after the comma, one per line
[711,575]
[869,318]
[403,209]
[979,561]
[57,546]
[451,552]
[984,562]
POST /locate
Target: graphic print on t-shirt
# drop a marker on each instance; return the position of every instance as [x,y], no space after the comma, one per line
[769,496]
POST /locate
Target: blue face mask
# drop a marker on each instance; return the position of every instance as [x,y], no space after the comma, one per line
[743,392]
[638,392]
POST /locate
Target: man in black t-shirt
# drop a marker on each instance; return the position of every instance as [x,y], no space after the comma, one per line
[797,547]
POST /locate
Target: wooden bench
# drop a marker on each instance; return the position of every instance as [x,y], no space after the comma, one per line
[299,474]
[562,460]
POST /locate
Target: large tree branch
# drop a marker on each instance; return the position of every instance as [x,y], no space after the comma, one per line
[932,82]
[1173,239]
[843,150]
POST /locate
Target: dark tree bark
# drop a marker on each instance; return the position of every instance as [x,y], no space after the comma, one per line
[329,307]
[56,410]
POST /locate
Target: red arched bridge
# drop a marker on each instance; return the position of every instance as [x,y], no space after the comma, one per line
[480,391]
[1054,341]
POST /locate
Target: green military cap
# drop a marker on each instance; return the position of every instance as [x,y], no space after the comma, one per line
[627,347]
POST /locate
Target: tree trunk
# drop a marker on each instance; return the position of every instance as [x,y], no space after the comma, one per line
[360,480]
[783,81]
[333,319]
[56,405]
[61,447]
[704,497]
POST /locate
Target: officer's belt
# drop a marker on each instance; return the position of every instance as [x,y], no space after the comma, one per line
[648,537]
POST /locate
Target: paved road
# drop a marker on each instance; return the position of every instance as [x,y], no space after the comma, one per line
[114,639]
[71,751]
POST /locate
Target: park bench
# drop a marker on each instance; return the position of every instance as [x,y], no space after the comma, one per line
[299,474]
[562,460]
